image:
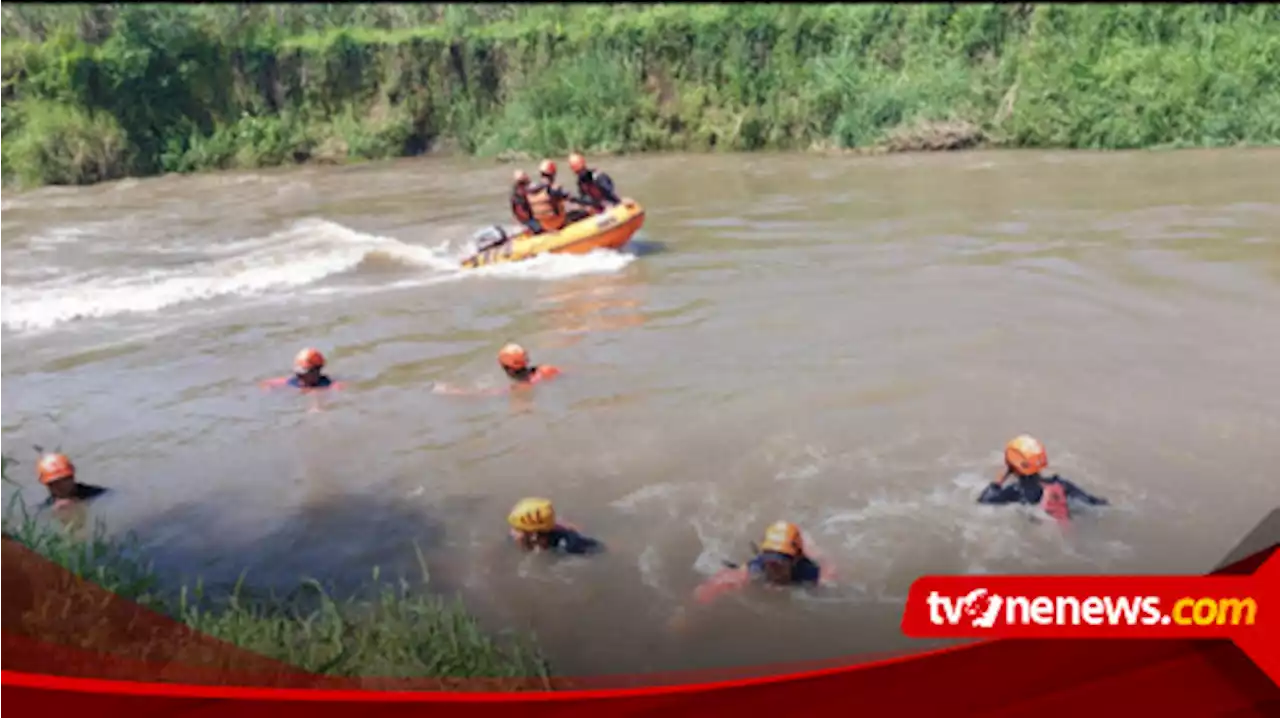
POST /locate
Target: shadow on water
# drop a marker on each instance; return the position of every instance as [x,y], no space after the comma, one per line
[645,247]
[327,540]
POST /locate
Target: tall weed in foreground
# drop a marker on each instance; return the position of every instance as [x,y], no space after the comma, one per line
[389,629]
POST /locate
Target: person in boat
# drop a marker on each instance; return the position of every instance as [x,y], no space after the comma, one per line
[58,474]
[547,200]
[595,188]
[1025,458]
[520,203]
[496,236]
[308,372]
[534,528]
[780,560]
[514,360]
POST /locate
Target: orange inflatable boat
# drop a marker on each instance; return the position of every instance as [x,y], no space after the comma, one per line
[610,229]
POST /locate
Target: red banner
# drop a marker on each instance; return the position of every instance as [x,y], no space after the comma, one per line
[1179,666]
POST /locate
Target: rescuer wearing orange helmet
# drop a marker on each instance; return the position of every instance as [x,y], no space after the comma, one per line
[534,528]
[514,360]
[547,199]
[496,236]
[595,189]
[57,473]
[308,373]
[520,207]
[781,560]
[1025,458]
[308,368]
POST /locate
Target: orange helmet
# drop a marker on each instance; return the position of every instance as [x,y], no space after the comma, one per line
[577,162]
[307,360]
[514,357]
[521,177]
[53,467]
[1025,455]
[547,168]
[783,537]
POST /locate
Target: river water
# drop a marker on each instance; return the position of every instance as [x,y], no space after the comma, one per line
[843,342]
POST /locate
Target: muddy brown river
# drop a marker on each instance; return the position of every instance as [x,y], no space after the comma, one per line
[843,342]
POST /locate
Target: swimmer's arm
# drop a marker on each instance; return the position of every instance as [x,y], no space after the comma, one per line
[1079,494]
[995,494]
[544,373]
[726,581]
[575,543]
[274,383]
[89,491]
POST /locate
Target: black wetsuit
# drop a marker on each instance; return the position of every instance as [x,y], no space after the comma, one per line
[803,570]
[567,540]
[595,189]
[1030,490]
[323,382]
[81,492]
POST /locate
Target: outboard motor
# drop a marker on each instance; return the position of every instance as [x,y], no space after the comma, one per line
[490,237]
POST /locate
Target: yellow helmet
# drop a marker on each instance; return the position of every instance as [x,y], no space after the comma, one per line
[533,515]
[783,537]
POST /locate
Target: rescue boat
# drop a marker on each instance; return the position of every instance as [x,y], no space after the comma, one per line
[611,229]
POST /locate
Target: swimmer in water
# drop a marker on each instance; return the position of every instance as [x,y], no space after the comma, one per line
[781,560]
[1025,458]
[534,528]
[58,474]
[308,372]
[514,360]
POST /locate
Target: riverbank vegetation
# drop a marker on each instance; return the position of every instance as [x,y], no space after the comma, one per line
[95,92]
[391,629]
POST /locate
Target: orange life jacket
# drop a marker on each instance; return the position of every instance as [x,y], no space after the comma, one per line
[547,207]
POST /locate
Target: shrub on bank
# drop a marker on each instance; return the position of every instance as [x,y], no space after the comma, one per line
[65,144]
[195,87]
[391,630]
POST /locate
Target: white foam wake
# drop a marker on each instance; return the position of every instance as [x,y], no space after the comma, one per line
[305,254]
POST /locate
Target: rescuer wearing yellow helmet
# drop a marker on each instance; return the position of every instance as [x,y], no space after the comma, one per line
[534,528]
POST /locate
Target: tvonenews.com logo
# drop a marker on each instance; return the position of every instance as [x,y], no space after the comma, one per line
[981,608]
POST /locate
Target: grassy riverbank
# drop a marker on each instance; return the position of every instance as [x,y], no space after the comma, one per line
[392,630]
[99,92]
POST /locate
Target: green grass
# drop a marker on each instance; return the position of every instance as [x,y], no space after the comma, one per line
[65,144]
[389,629]
[192,87]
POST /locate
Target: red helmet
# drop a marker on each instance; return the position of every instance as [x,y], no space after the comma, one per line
[53,467]
[521,177]
[577,162]
[547,168]
[307,360]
